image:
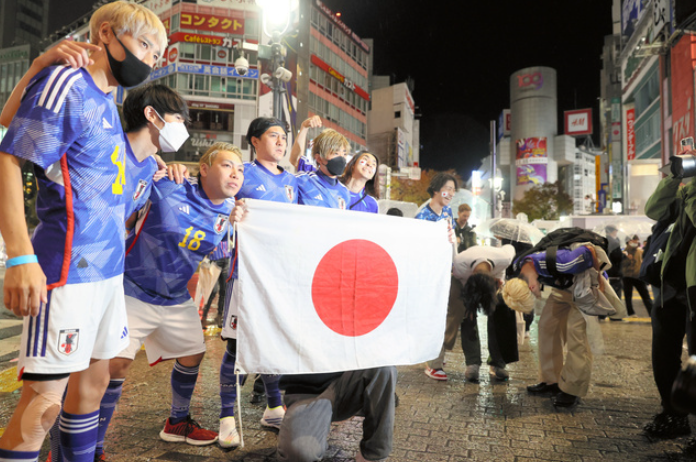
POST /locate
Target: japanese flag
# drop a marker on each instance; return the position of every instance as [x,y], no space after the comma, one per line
[325,290]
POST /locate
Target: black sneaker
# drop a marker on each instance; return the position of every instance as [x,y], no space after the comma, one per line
[667,426]
[543,388]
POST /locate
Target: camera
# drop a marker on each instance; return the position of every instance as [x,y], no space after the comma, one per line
[683,166]
[241,65]
[684,388]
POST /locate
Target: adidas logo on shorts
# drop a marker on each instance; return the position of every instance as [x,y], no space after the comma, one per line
[124,334]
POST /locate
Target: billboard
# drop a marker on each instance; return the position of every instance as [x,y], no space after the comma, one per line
[211,23]
[631,134]
[531,161]
[631,12]
[578,122]
[504,124]
[683,61]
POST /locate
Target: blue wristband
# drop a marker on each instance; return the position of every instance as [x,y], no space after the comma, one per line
[23,260]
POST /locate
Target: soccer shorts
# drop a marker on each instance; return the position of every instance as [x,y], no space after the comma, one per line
[80,322]
[229,326]
[168,332]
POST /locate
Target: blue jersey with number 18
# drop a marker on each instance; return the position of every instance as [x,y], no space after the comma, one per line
[70,130]
[175,230]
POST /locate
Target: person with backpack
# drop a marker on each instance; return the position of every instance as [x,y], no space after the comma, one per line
[670,317]
[631,272]
[561,321]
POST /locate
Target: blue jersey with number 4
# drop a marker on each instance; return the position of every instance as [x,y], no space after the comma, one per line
[175,230]
[71,131]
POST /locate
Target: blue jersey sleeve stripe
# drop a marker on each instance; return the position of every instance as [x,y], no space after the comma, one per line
[55,86]
[64,94]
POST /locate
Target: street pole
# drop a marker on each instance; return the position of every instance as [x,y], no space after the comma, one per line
[278,89]
[493,169]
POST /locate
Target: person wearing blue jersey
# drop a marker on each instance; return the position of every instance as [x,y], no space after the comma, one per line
[441,189]
[181,224]
[319,186]
[264,179]
[67,281]
[359,177]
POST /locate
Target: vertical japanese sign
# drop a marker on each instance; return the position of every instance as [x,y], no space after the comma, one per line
[531,161]
[630,134]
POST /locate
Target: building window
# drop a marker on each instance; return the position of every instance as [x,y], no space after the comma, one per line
[397,114]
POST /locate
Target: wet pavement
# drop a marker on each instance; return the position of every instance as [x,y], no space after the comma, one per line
[435,421]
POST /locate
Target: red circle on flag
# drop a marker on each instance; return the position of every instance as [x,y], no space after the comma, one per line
[354,287]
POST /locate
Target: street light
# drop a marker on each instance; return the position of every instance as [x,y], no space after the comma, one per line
[276,20]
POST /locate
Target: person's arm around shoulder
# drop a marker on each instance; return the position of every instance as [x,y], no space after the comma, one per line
[24,287]
[301,139]
[71,53]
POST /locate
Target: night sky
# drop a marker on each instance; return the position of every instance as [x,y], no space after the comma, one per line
[461,55]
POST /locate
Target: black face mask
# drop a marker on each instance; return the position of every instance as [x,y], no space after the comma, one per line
[129,72]
[336,165]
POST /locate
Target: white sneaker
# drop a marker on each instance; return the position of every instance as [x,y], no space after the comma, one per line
[471,374]
[228,436]
[273,417]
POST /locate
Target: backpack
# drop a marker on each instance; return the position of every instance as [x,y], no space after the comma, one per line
[653,253]
[561,238]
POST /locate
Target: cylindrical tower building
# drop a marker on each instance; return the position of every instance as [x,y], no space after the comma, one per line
[533,108]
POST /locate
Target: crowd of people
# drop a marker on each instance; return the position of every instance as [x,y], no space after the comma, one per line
[121,234]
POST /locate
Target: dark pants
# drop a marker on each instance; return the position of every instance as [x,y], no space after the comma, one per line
[221,284]
[471,343]
[307,423]
[669,325]
[628,285]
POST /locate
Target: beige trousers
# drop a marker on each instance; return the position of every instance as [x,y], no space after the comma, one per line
[455,315]
[561,323]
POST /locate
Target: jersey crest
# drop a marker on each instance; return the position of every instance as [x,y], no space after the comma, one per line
[68,341]
[220,223]
[289,193]
[341,203]
[139,189]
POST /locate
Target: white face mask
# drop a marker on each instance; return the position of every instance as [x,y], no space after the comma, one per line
[633,244]
[172,136]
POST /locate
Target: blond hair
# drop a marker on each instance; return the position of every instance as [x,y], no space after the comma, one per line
[209,157]
[464,207]
[517,296]
[329,141]
[127,17]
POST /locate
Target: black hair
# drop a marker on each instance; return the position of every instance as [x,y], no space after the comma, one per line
[260,125]
[479,293]
[439,181]
[396,212]
[370,184]
[162,98]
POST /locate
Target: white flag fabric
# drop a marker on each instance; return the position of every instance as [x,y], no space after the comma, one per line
[325,290]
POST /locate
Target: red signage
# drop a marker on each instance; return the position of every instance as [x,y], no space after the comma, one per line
[630,134]
[195,38]
[578,122]
[532,81]
[683,61]
[338,76]
[211,22]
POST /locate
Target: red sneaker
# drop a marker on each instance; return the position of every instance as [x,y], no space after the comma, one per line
[188,431]
[436,374]
[100,457]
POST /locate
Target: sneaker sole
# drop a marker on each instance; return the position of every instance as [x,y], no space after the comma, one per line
[273,423]
[226,445]
[434,377]
[168,437]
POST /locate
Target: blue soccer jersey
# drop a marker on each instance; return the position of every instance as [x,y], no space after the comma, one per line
[362,202]
[71,131]
[174,232]
[260,183]
[426,213]
[138,180]
[315,188]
